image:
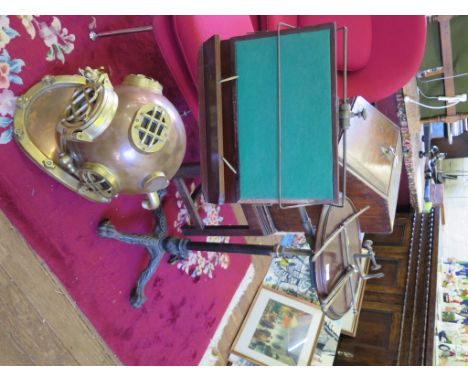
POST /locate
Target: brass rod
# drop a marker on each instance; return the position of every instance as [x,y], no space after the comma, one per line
[344,241]
[93,36]
[228,79]
[337,288]
[337,231]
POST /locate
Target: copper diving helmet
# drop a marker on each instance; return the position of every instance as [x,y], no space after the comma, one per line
[100,141]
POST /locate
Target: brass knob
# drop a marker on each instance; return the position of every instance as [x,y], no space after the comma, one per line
[362,114]
[152,202]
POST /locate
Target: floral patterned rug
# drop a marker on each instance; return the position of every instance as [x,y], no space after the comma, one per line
[185,301]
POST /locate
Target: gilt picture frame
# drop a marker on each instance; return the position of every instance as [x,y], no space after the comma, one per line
[279,330]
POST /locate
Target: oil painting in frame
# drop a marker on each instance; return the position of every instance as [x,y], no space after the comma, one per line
[279,330]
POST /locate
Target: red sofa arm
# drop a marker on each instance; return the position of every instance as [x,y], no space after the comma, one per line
[397,51]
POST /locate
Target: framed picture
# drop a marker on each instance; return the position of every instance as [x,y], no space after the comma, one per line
[235,360]
[291,274]
[327,343]
[279,330]
[349,322]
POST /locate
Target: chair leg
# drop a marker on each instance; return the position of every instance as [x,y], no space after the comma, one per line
[198,228]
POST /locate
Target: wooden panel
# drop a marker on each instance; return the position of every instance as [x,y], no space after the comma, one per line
[394,267]
[288,220]
[417,331]
[458,149]
[447,60]
[432,265]
[378,325]
[398,314]
[366,138]
[11,353]
[211,132]
[399,238]
[377,218]
[37,315]
[230,145]
[378,189]
[38,341]
[376,341]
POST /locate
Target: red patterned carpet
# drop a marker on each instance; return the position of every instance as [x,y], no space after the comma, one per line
[186,301]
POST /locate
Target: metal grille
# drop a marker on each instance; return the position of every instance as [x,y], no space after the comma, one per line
[97,183]
[150,129]
[83,104]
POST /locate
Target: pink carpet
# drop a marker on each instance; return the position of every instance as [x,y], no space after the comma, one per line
[186,301]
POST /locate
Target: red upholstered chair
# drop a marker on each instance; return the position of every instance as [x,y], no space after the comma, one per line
[180,37]
[384,52]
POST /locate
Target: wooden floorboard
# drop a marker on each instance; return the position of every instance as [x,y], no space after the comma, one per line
[39,322]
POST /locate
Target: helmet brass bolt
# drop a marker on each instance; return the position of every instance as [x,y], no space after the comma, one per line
[48,164]
[48,80]
[18,133]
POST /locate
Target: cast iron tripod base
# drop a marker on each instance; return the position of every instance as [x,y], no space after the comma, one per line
[158,243]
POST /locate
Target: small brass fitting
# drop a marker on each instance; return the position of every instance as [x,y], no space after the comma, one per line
[152,202]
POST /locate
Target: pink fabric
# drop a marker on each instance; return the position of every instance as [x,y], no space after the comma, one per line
[359,34]
[385,51]
[181,314]
[398,44]
[359,37]
[192,31]
[166,40]
[270,22]
[395,52]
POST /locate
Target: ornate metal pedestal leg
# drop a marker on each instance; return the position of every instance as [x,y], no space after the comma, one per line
[155,244]
[159,243]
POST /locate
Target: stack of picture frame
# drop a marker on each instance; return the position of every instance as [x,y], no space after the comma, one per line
[280,330]
[285,325]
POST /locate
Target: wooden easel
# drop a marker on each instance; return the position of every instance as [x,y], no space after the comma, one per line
[447,70]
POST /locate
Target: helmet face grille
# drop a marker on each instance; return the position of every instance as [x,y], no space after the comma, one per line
[150,128]
[96,181]
[82,106]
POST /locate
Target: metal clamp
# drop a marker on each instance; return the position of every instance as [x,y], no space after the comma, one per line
[371,254]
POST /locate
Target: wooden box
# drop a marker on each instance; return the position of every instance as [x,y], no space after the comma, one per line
[268,131]
[374,156]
